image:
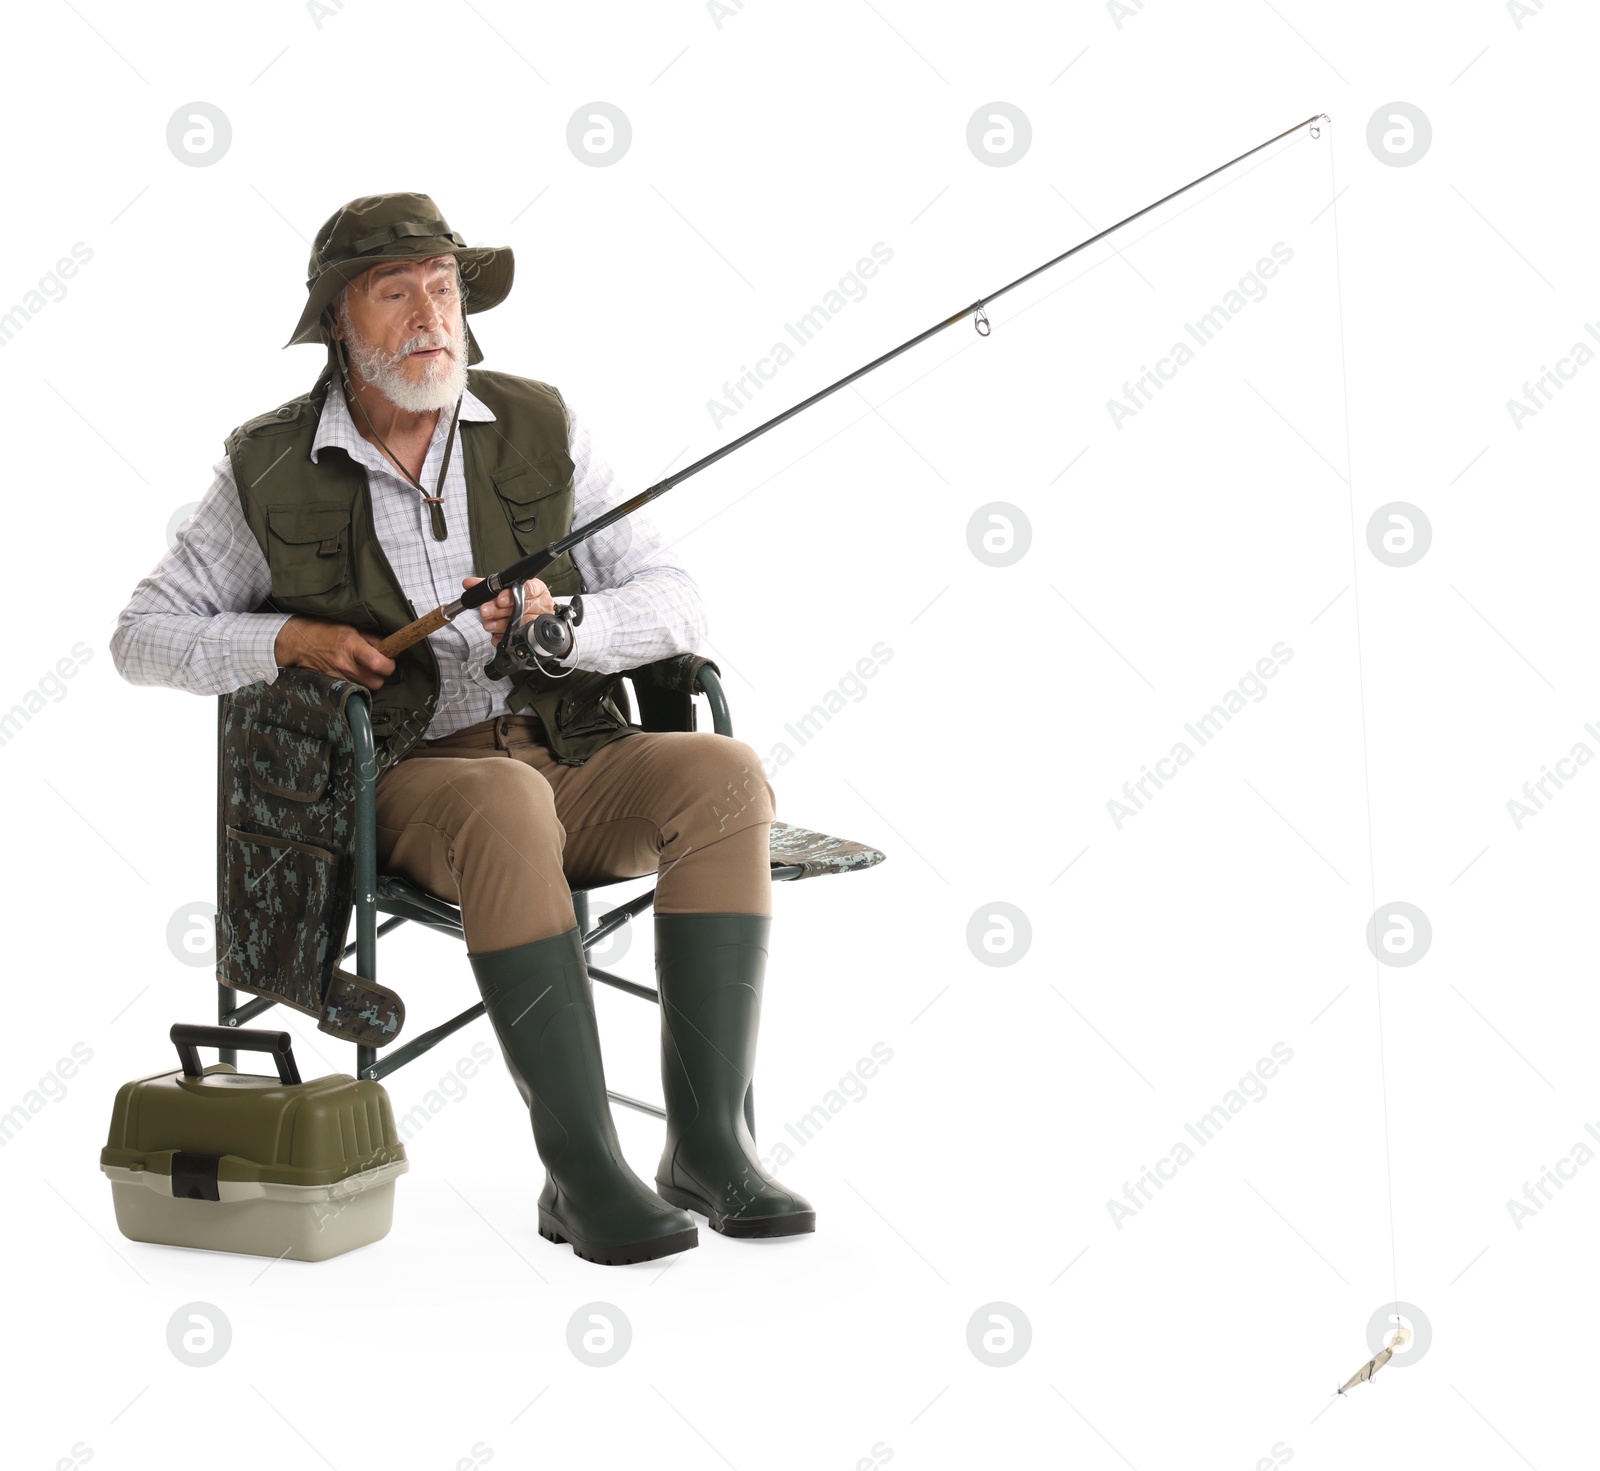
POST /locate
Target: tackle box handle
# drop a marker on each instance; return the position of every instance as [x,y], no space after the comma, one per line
[188,1037]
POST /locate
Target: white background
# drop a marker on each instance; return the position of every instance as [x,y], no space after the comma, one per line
[770,152]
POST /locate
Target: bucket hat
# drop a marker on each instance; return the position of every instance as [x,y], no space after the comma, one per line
[378,228]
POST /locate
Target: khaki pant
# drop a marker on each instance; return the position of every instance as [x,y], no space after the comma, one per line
[487,818]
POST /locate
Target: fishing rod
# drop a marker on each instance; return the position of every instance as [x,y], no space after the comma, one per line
[551,634]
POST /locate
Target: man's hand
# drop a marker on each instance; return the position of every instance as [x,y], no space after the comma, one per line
[333,648]
[496,613]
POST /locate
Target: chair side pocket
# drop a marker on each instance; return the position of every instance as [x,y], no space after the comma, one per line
[278,893]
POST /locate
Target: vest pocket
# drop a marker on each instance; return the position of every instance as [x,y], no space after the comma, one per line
[308,549]
[537,497]
[590,710]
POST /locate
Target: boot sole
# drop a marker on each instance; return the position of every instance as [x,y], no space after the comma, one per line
[797,1223]
[616,1255]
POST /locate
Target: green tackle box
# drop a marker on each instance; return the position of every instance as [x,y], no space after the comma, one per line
[231,1161]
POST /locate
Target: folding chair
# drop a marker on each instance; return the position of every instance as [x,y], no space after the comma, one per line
[664,691]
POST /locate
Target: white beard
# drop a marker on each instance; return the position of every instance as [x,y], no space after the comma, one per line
[445,377]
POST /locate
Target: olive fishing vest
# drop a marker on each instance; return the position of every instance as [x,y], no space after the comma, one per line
[314,524]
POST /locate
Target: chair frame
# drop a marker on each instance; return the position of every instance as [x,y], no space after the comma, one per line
[393,896]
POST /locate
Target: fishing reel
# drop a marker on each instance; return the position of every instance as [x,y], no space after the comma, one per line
[526,645]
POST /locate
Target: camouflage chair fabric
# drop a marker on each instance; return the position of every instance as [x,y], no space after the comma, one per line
[286,854]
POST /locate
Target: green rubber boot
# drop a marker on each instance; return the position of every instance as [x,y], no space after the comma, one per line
[709,969]
[538,999]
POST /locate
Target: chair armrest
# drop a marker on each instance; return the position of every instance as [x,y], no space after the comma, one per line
[666,688]
[676,672]
[303,700]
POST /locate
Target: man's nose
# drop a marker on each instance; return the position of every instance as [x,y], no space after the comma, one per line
[429,316]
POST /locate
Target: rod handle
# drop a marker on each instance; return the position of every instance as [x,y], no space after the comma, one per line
[413,633]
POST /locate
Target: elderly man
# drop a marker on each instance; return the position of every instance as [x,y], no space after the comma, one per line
[348,512]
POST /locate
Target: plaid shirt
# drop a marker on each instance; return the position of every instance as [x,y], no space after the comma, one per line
[187,624]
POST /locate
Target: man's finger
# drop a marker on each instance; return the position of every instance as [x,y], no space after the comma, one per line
[372,657]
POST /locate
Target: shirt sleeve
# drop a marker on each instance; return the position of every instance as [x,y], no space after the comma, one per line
[186,624]
[641,604]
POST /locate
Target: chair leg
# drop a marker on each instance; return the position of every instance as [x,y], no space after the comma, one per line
[226,1001]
